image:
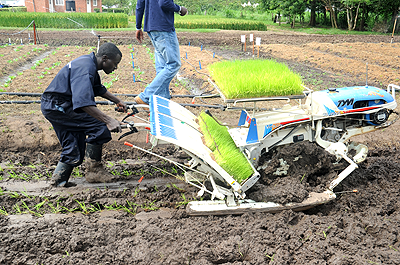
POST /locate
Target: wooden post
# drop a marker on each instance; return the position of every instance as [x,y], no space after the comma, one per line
[34,32]
[394,27]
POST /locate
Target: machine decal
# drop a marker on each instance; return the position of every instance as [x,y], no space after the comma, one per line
[345,102]
[373,93]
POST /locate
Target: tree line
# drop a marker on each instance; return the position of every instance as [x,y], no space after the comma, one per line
[361,15]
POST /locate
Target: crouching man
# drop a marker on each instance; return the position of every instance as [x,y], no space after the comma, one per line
[68,103]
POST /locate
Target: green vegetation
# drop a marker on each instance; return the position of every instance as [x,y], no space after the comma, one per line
[209,22]
[255,78]
[224,149]
[64,20]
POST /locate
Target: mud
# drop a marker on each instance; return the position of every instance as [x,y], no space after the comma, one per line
[141,218]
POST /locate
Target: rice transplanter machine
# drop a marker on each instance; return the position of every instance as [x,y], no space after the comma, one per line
[329,118]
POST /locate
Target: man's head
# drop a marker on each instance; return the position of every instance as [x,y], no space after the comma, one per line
[108,57]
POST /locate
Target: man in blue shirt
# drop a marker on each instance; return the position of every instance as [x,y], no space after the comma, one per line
[68,103]
[159,25]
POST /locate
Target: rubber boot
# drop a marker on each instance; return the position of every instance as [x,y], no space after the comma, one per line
[61,175]
[95,173]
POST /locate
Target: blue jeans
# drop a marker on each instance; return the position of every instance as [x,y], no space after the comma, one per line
[168,62]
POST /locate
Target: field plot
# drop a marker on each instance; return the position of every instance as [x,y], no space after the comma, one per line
[144,222]
[351,59]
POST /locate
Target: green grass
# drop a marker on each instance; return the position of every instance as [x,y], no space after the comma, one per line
[225,152]
[213,22]
[255,78]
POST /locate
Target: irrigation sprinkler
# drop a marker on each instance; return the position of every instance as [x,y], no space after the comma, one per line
[134,80]
[200,65]
[186,55]
[98,42]
[258,43]
[252,40]
[243,40]
[201,47]
[133,64]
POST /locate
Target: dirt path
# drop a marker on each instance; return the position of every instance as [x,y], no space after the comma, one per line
[144,222]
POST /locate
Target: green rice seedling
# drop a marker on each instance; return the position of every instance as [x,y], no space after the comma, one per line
[136,192]
[132,207]
[24,205]
[77,173]
[55,209]
[184,202]
[149,206]
[255,78]
[17,209]
[270,257]
[115,172]
[40,204]
[224,149]
[3,211]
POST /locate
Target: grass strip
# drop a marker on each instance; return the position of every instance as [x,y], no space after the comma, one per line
[224,149]
[255,78]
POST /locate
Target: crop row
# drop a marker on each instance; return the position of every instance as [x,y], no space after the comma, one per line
[64,20]
[13,56]
[207,22]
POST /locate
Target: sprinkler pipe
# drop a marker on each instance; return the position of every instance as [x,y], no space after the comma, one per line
[200,65]
[222,107]
[134,81]
[133,65]
[98,42]
[252,40]
[118,95]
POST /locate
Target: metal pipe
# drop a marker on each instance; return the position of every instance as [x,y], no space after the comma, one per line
[22,94]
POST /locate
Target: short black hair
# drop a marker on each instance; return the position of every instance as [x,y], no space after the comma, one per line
[110,50]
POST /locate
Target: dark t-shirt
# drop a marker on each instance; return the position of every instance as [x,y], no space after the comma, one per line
[78,82]
[158,15]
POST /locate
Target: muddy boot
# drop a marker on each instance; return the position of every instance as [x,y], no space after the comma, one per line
[95,173]
[61,175]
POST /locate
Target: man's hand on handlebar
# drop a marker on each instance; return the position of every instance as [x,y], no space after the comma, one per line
[121,107]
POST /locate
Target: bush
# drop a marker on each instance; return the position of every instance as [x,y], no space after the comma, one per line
[229,14]
[116,10]
[13,9]
[64,20]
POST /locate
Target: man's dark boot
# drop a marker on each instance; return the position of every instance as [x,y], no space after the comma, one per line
[61,175]
[95,172]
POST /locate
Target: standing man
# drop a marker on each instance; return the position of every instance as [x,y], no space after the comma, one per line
[68,103]
[159,25]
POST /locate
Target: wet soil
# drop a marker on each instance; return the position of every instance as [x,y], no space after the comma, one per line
[141,218]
